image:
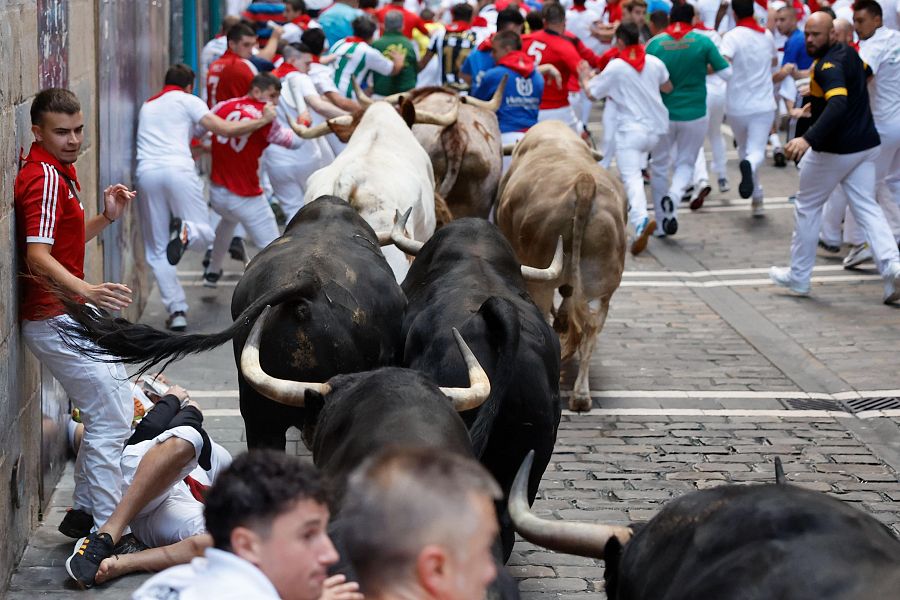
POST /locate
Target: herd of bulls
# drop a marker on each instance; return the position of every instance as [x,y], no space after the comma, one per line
[360,349]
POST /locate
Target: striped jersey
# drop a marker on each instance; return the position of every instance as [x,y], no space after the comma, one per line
[357,58]
[452,48]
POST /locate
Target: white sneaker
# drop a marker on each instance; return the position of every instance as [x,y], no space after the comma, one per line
[892,285]
[857,256]
[756,208]
[782,276]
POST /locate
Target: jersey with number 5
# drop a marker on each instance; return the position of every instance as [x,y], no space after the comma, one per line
[548,47]
[235,161]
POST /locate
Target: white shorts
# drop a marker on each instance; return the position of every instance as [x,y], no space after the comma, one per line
[564,114]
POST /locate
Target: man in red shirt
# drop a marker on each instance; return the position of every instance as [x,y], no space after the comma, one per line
[51,232]
[234,192]
[411,21]
[230,76]
[551,45]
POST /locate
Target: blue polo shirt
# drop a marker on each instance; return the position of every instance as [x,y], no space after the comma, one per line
[521,98]
[795,51]
[476,64]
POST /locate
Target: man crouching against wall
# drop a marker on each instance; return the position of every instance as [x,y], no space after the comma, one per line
[435,526]
[268,515]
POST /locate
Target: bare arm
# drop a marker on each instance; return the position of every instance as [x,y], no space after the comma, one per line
[343,103]
[271,48]
[111,296]
[323,107]
[220,126]
[154,559]
[423,62]
[667,87]
[549,71]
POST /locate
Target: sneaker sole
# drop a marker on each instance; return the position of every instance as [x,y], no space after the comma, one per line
[857,261]
[697,202]
[670,226]
[745,189]
[174,251]
[640,243]
[80,583]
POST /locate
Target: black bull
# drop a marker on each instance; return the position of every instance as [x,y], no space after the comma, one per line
[467,276]
[336,309]
[733,542]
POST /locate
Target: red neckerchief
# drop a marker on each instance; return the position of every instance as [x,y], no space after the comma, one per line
[302,21]
[579,7]
[166,89]
[763,4]
[197,489]
[750,23]
[37,154]
[488,44]
[614,11]
[219,35]
[678,30]
[457,26]
[701,26]
[519,62]
[283,69]
[479,22]
[316,59]
[354,40]
[855,46]
[634,55]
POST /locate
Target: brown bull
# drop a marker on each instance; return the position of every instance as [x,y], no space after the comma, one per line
[555,188]
[466,156]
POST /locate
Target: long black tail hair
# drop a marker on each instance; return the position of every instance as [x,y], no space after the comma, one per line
[105,338]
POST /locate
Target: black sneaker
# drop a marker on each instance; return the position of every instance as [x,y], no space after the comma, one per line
[745,188]
[670,225]
[207,257]
[688,193]
[237,250]
[85,561]
[779,158]
[76,524]
[280,217]
[129,544]
[211,280]
[178,241]
[828,247]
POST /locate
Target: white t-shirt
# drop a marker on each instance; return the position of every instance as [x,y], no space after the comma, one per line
[293,85]
[322,77]
[882,53]
[715,85]
[579,23]
[165,128]
[750,89]
[635,94]
[890,17]
[219,574]
[707,11]
[292,32]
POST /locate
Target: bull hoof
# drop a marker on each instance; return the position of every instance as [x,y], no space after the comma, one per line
[579,402]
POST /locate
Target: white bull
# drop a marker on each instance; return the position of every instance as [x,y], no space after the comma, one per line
[382,170]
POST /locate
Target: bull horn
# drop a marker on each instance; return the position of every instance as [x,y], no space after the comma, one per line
[399,237]
[283,391]
[308,133]
[363,98]
[424,117]
[552,272]
[597,156]
[582,539]
[479,385]
[508,149]
[494,103]
[394,98]
[384,238]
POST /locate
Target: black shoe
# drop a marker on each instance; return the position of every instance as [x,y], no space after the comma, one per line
[237,250]
[177,321]
[779,158]
[76,524]
[745,189]
[85,561]
[211,280]
[129,544]
[670,225]
[207,257]
[828,247]
[688,192]
[667,206]
[697,202]
[178,241]
[280,217]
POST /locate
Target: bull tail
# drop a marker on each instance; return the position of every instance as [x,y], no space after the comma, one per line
[442,213]
[780,479]
[576,309]
[454,144]
[106,338]
[502,320]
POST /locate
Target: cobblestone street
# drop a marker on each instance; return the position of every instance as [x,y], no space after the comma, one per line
[704,373]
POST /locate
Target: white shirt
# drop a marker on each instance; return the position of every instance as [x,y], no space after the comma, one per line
[635,94]
[165,128]
[292,32]
[220,575]
[715,85]
[750,89]
[882,53]
[322,77]
[579,23]
[890,17]
[707,11]
[293,85]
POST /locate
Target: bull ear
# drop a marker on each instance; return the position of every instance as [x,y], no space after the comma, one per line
[314,403]
[408,112]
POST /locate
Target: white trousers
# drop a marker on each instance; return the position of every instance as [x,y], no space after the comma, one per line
[288,173]
[820,174]
[510,137]
[608,143]
[751,132]
[632,145]
[715,110]
[175,514]
[102,394]
[565,114]
[163,192]
[676,150]
[252,212]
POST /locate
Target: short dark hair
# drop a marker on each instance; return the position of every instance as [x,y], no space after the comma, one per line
[827,10]
[628,33]
[255,489]
[298,5]
[508,40]
[264,81]
[509,16]
[660,19]
[55,100]
[180,74]
[427,14]
[870,6]
[534,20]
[239,31]
[461,11]
[314,38]
[363,27]
[742,8]
[684,13]
[553,12]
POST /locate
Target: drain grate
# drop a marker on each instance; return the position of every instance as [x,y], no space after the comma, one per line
[862,404]
[812,404]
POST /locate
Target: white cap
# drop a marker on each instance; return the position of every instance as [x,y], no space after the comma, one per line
[777,5]
[318,4]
